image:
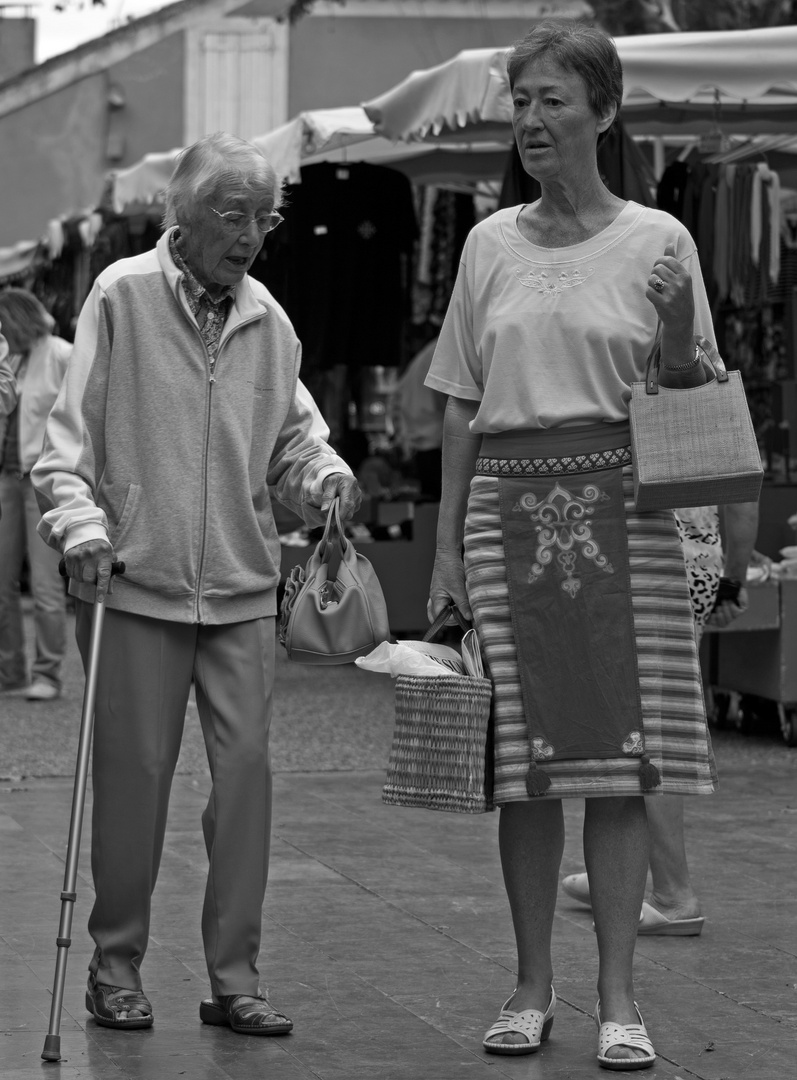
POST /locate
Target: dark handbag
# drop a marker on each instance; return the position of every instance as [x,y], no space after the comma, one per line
[696,446]
[333,620]
[441,757]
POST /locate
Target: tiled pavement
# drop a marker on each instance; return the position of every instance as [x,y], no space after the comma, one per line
[387,940]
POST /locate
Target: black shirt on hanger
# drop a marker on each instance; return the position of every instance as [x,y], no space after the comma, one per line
[340,264]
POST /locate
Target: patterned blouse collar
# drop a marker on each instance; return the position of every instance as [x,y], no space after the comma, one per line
[195,291]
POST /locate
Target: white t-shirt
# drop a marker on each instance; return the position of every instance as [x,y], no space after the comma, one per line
[553,337]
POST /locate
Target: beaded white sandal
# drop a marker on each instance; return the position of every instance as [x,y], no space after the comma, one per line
[633,1035]
[534,1025]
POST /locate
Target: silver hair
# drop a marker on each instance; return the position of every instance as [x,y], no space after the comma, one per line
[217,165]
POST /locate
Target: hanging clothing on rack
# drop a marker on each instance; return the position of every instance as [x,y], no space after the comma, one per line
[782,290]
[454,217]
[733,211]
[340,265]
[446,218]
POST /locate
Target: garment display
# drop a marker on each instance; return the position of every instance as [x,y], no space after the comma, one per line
[734,213]
[782,290]
[446,218]
[739,217]
[340,264]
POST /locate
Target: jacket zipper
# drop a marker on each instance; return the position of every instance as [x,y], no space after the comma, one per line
[206,456]
[211,382]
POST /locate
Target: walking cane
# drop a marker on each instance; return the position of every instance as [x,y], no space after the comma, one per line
[52,1042]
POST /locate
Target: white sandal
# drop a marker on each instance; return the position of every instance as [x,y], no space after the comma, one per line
[531,1023]
[632,1035]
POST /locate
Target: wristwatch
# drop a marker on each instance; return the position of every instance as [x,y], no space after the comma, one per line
[729,589]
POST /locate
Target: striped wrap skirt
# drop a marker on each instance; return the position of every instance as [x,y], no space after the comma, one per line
[583,613]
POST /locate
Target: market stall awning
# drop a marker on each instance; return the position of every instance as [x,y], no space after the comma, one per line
[285,146]
[16,260]
[744,79]
[344,134]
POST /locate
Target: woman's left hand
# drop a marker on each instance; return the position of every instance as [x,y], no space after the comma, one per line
[728,610]
[669,289]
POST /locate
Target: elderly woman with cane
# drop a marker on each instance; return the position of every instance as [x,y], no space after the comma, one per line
[181,415]
[581,603]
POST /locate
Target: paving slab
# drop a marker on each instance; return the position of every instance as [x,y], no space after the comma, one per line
[387,939]
[387,935]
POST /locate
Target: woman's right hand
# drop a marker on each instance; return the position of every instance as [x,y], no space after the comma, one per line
[91,562]
[448,586]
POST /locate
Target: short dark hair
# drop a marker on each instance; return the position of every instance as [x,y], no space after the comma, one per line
[579,48]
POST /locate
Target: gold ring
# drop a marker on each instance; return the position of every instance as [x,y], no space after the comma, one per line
[658,284]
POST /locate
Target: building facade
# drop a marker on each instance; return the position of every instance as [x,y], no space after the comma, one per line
[199,66]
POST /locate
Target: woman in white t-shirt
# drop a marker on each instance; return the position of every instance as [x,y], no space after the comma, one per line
[581,603]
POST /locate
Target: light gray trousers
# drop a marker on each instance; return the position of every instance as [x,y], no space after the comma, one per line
[18,536]
[146,668]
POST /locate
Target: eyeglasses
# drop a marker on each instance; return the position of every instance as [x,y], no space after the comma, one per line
[236,222]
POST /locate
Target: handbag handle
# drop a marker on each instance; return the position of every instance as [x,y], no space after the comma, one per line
[325,543]
[654,362]
[443,618]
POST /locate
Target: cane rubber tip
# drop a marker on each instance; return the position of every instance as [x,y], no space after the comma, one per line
[52,1048]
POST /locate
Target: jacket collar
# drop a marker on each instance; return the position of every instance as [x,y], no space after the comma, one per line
[246,305]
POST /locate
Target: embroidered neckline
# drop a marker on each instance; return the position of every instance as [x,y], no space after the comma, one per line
[543,282]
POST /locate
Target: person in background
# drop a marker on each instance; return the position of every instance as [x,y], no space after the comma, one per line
[181,415]
[718,546]
[580,602]
[39,359]
[8,383]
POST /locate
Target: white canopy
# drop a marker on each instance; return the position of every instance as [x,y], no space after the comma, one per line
[307,134]
[674,83]
[344,134]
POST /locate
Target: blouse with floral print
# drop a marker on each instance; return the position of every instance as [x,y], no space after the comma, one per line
[210,314]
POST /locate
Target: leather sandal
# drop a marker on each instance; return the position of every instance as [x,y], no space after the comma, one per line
[534,1025]
[245,1014]
[632,1035]
[105,1003]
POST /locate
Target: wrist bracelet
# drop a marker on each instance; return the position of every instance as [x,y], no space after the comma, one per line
[686,367]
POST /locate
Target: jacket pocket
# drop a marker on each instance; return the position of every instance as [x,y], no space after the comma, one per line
[127,517]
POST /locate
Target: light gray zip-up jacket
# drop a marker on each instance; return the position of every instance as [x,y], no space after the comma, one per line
[175,463]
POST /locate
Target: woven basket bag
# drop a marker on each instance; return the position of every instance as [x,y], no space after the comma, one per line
[441,757]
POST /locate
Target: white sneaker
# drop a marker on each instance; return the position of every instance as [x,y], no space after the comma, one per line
[577,887]
[42,691]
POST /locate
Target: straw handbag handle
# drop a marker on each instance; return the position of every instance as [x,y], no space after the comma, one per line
[443,618]
[654,362]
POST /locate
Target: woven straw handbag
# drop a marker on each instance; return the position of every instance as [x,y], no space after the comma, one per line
[441,757]
[696,446]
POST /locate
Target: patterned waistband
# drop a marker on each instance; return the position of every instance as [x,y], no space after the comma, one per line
[561,452]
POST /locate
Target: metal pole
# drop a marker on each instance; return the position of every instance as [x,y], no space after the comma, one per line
[52,1042]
